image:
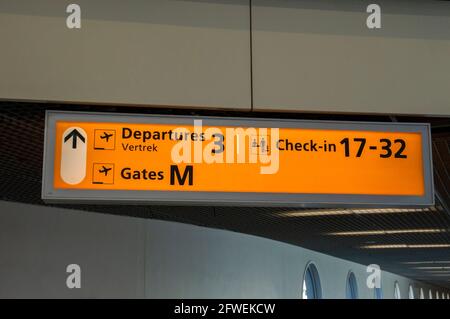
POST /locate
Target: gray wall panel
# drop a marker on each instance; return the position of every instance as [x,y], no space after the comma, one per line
[136,258]
[158,52]
[37,243]
[318,55]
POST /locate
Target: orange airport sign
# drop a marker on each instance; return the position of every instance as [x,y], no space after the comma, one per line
[96,157]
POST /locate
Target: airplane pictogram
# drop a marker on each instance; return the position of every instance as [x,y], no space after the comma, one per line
[106,136]
[105,170]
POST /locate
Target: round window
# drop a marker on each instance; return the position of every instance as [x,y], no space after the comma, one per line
[351,290]
[422,295]
[411,292]
[311,283]
[397,291]
[378,293]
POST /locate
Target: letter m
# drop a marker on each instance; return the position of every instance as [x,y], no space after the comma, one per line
[175,172]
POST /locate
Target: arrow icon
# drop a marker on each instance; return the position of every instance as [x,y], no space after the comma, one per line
[75,135]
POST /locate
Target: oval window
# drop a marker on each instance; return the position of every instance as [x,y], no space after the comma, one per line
[410,292]
[351,290]
[422,295]
[397,294]
[311,283]
[378,293]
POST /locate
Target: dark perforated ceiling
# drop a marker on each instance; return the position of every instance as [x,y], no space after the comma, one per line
[331,231]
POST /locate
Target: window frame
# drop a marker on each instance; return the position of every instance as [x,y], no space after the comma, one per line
[311,269]
[351,286]
[397,291]
[421,294]
[411,292]
[378,293]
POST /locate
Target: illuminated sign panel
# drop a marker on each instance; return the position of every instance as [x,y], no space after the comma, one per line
[233,161]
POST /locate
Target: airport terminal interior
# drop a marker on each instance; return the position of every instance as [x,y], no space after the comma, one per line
[289,62]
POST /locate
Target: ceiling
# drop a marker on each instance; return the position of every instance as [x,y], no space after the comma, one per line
[418,240]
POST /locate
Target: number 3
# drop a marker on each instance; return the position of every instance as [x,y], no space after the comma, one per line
[386,147]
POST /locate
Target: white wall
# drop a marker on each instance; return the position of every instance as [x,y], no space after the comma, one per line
[136,258]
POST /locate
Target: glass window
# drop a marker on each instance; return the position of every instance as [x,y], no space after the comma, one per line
[397,294]
[443,296]
[430,294]
[437,294]
[411,292]
[422,295]
[378,293]
[351,291]
[311,283]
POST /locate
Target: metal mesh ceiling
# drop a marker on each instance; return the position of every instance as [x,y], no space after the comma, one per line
[331,231]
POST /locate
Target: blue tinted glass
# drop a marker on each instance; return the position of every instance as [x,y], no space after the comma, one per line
[378,293]
[311,284]
[309,278]
[351,289]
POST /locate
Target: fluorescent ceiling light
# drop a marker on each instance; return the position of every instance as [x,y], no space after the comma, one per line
[433,267]
[432,272]
[362,211]
[388,232]
[405,246]
[426,262]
